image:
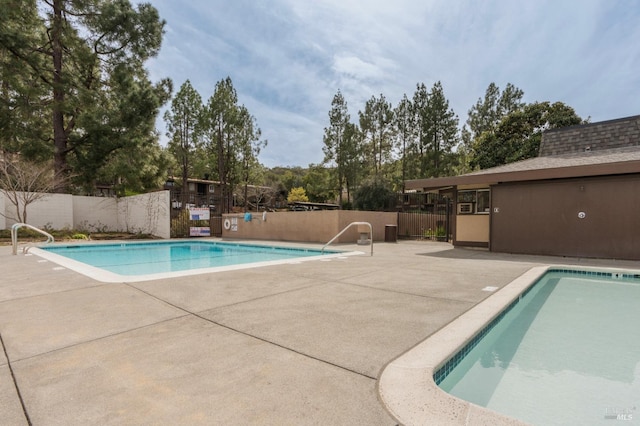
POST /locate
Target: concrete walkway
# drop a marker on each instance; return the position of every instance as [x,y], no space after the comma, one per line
[291,344]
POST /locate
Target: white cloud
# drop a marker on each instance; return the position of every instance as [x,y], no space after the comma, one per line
[354,67]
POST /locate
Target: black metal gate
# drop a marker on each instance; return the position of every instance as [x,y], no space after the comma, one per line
[181,224]
[426,216]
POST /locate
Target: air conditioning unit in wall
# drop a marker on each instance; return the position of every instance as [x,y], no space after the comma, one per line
[465,208]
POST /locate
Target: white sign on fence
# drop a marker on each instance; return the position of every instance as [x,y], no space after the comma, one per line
[197,213]
[199,231]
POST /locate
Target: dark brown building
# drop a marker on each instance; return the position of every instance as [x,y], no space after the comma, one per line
[208,193]
[579,198]
[201,193]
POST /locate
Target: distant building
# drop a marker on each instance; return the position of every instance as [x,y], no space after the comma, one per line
[208,193]
[201,193]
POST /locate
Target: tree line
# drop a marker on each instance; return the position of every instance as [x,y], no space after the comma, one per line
[420,137]
[75,94]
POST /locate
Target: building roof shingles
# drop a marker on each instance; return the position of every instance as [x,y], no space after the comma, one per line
[596,149]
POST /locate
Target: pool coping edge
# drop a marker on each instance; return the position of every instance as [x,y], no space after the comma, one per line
[104,276]
[406,386]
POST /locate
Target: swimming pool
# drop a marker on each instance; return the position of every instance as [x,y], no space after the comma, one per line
[142,261]
[566,352]
[558,345]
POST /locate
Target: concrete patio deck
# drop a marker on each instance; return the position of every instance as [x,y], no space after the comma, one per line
[291,344]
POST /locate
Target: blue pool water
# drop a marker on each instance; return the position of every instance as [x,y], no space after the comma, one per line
[567,352]
[132,259]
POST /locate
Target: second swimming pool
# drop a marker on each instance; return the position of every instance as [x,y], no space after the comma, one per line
[151,260]
[566,352]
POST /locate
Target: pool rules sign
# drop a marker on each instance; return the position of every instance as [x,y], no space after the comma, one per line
[199,214]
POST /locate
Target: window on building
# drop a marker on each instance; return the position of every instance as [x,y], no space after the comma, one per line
[483,206]
[475,201]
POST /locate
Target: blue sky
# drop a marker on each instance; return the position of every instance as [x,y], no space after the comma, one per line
[288,58]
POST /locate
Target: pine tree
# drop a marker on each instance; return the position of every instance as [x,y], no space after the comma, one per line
[376,124]
[436,129]
[484,118]
[441,128]
[336,146]
[421,143]
[89,57]
[184,132]
[220,124]
[248,147]
[404,122]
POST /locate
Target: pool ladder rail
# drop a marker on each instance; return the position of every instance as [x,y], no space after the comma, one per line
[349,226]
[14,237]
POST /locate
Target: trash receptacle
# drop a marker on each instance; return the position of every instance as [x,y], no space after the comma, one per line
[390,233]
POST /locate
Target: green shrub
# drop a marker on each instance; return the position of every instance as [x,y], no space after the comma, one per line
[374,195]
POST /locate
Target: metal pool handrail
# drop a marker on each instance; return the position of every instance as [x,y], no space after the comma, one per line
[14,235]
[349,226]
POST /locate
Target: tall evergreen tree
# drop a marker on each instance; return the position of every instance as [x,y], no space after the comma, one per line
[486,115]
[436,131]
[421,142]
[90,57]
[404,122]
[352,159]
[220,124]
[133,174]
[441,128]
[376,124]
[184,132]
[25,109]
[335,143]
[248,147]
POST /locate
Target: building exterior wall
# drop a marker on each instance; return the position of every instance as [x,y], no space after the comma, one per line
[588,217]
[311,226]
[472,228]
